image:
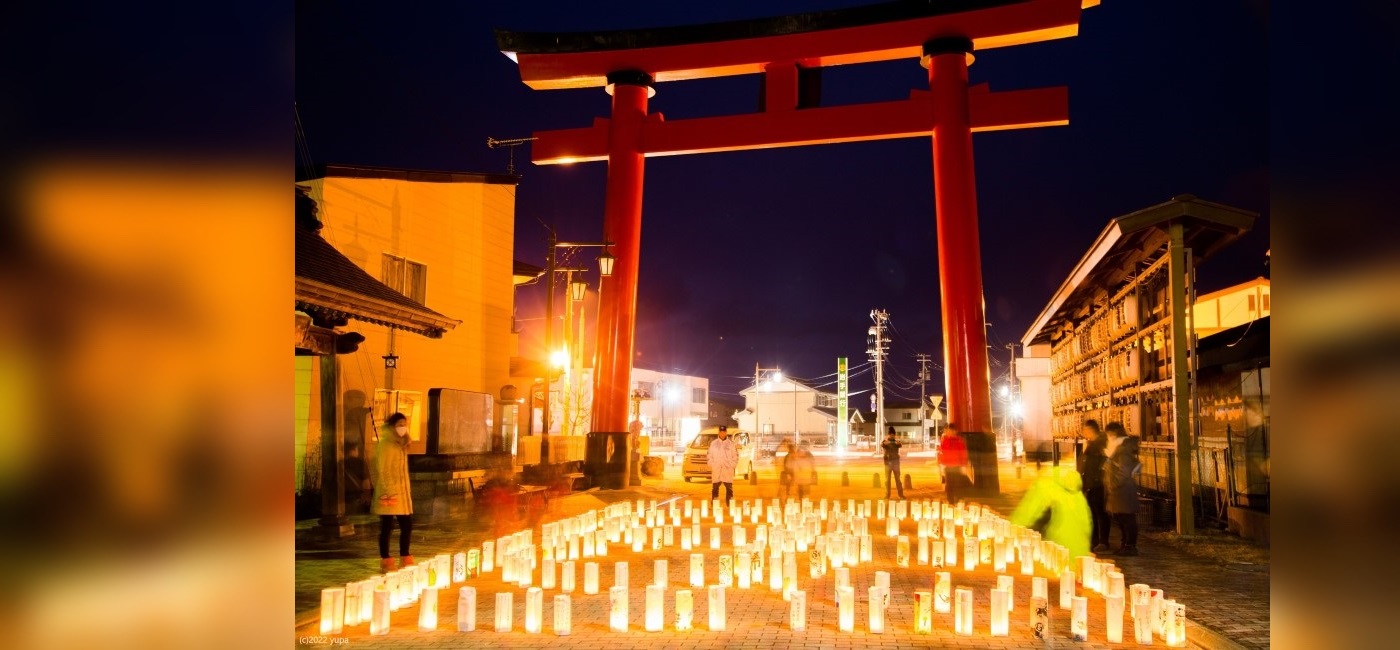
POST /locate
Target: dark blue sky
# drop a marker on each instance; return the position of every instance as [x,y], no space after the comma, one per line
[777,257]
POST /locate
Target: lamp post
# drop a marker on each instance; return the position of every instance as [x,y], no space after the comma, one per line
[605,266]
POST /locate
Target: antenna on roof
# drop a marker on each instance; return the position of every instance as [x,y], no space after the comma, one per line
[509,144]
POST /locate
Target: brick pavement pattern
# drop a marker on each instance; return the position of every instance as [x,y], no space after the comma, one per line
[1231,601]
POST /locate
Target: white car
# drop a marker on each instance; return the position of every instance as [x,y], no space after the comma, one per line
[696,464]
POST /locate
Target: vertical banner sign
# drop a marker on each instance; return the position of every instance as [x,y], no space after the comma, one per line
[843,424]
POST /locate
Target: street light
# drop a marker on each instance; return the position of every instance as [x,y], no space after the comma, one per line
[605,268]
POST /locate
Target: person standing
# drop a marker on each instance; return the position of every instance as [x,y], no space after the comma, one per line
[1120,472]
[952,459]
[723,458]
[392,499]
[1091,462]
[892,476]
[802,469]
[784,455]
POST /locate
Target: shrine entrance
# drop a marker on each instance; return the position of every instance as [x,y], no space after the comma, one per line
[789,52]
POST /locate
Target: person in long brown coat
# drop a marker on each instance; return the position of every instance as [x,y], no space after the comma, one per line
[392,499]
[1120,472]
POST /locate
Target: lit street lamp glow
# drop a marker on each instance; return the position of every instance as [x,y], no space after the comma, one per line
[559,358]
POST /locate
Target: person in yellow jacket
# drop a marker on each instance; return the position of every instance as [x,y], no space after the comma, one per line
[1058,494]
[392,499]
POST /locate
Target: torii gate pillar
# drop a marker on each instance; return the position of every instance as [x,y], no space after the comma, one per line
[960,258]
[622,225]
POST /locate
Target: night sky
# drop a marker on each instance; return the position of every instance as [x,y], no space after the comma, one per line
[777,257]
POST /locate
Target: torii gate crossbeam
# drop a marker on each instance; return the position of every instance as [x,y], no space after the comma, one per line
[942,36]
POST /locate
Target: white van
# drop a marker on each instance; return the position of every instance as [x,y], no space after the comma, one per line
[696,464]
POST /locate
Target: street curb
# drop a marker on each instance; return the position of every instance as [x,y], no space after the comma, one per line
[1201,636]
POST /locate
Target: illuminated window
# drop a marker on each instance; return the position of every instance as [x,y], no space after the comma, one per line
[1251,303]
[697,396]
[1266,302]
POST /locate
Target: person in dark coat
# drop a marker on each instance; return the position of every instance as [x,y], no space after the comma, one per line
[891,448]
[1120,471]
[1091,462]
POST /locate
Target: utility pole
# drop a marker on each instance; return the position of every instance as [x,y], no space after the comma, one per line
[1009,417]
[876,350]
[923,360]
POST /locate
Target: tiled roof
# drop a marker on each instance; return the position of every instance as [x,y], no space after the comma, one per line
[319,264]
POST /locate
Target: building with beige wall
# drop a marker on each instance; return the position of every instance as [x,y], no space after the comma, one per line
[443,239]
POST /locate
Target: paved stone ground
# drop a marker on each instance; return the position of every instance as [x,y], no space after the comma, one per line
[1228,605]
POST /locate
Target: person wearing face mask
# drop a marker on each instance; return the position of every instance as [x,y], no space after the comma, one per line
[391,492]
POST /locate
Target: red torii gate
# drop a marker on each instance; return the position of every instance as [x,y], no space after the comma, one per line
[786,51]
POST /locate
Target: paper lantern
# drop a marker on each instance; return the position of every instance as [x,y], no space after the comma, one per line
[1000,615]
[1079,618]
[876,609]
[668,536]
[574,548]
[639,541]
[443,577]
[695,538]
[843,579]
[524,575]
[466,609]
[505,612]
[891,526]
[1137,593]
[716,608]
[655,607]
[1142,623]
[697,569]
[1027,560]
[1008,584]
[1159,614]
[1113,612]
[846,604]
[563,615]
[744,568]
[789,574]
[488,557]
[685,539]
[775,576]
[459,567]
[1115,584]
[617,609]
[547,574]
[867,548]
[590,578]
[685,610]
[1040,587]
[428,610]
[379,619]
[714,538]
[923,550]
[797,611]
[367,588]
[620,575]
[534,610]
[962,611]
[923,611]
[332,610]
[816,561]
[351,616]
[566,577]
[741,536]
[1040,617]
[969,553]
[726,570]
[1066,589]
[942,592]
[704,509]
[902,507]
[393,583]
[1176,624]
[688,506]
[655,539]
[985,552]
[949,553]
[756,564]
